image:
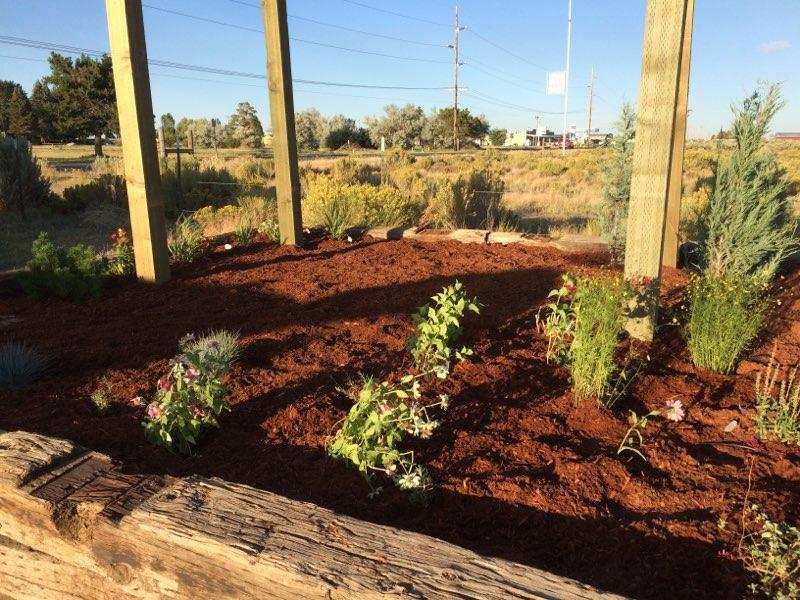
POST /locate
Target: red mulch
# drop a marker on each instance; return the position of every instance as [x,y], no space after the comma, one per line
[522,472]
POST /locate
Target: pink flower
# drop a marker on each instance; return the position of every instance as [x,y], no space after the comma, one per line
[154,411]
[199,412]
[192,374]
[164,384]
[675,410]
[385,408]
[137,401]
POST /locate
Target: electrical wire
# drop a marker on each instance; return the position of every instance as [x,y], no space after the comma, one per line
[505,104]
[506,50]
[396,14]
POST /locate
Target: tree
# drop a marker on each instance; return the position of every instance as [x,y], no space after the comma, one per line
[310,129]
[245,127]
[470,129]
[206,132]
[342,130]
[16,117]
[76,100]
[168,129]
[401,127]
[613,210]
[498,136]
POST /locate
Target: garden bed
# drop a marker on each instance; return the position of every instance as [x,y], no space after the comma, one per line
[522,472]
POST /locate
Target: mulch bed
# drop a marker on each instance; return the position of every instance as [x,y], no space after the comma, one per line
[522,472]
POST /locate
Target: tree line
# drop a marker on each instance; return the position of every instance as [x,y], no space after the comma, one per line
[75,102]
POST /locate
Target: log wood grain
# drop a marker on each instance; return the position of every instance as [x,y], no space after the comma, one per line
[207,538]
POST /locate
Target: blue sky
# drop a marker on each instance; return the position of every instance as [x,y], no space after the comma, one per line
[736,44]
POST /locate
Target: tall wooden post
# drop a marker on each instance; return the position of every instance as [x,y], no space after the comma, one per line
[652,180]
[670,254]
[135,108]
[281,109]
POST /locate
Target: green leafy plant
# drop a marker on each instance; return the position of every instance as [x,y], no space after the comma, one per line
[778,404]
[20,365]
[191,396]
[633,438]
[382,416]
[75,272]
[22,185]
[338,216]
[186,240]
[725,316]
[439,327]
[270,228]
[121,260]
[772,552]
[559,324]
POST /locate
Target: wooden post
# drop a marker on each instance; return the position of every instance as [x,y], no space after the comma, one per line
[670,253]
[652,158]
[135,108]
[281,109]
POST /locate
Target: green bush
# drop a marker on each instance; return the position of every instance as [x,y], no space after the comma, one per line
[772,553]
[74,273]
[186,243]
[778,404]
[725,316]
[22,185]
[748,226]
[105,189]
[472,200]
[599,322]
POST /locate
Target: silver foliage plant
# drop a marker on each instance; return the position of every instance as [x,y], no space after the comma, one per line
[749,228]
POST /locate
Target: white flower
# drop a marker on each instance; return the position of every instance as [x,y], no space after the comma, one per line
[675,411]
[228,247]
[444,401]
[350,239]
[409,481]
[442,371]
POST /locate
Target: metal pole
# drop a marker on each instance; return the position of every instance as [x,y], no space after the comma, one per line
[566,77]
[455,79]
[591,102]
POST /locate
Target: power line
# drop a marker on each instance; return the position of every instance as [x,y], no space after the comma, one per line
[396,14]
[506,50]
[350,29]
[469,63]
[14,41]
[295,39]
[505,104]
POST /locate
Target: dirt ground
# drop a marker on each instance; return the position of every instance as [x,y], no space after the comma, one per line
[522,472]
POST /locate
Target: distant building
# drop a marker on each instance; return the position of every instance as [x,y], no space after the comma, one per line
[788,136]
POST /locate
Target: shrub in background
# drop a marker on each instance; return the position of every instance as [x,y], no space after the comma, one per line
[612,212]
[106,188]
[778,404]
[74,273]
[20,365]
[191,396]
[748,226]
[725,317]
[22,185]
[185,241]
[469,201]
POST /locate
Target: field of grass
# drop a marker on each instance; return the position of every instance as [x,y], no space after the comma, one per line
[546,192]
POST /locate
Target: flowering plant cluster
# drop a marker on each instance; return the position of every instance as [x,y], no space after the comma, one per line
[439,326]
[383,414]
[376,425]
[121,259]
[191,396]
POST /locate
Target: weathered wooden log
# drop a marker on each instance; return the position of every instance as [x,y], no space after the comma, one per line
[72,526]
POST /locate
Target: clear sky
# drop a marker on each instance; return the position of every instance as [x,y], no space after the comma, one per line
[736,44]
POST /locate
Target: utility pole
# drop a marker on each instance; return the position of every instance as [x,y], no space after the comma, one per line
[566,76]
[456,66]
[591,103]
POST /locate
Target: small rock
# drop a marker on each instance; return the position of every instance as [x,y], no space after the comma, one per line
[731,426]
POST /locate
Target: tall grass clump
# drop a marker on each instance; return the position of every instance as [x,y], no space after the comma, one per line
[185,241]
[747,231]
[22,185]
[778,404]
[20,365]
[612,213]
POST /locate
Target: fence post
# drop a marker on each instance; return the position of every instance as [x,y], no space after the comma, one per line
[135,108]
[670,257]
[651,181]
[281,105]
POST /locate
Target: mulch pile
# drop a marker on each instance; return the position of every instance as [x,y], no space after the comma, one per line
[522,472]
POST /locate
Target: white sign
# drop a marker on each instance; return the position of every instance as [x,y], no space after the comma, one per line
[556,83]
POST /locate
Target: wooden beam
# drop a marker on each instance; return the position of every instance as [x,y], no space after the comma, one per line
[670,253]
[135,108]
[652,158]
[281,109]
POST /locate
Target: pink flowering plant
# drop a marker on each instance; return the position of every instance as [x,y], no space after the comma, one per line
[381,418]
[559,324]
[191,396]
